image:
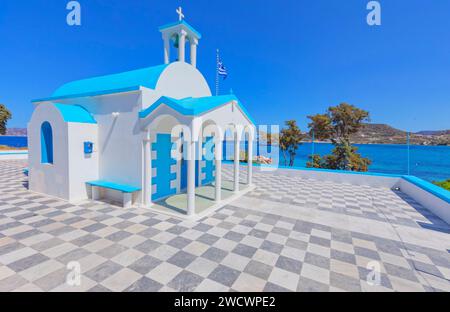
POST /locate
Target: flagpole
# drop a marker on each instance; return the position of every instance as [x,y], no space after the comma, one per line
[217,73]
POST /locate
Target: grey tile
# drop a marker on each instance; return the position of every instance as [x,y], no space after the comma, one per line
[244,250]
[319,241]
[344,282]
[73,255]
[400,272]
[84,240]
[272,247]
[258,269]
[52,280]
[179,242]
[214,254]
[371,254]
[185,281]
[118,236]
[289,264]
[10,248]
[343,256]
[123,225]
[181,259]
[47,244]
[317,260]
[147,246]
[103,271]
[150,232]
[308,285]
[202,227]
[99,288]
[144,284]
[208,239]
[27,262]
[94,227]
[145,264]
[224,275]
[297,244]
[259,233]
[112,251]
[177,229]
[270,287]
[12,282]
[234,236]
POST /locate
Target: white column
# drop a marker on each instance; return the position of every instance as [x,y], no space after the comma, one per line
[147,170]
[250,160]
[200,158]
[166,49]
[218,157]
[127,200]
[236,164]
[191,178]
[194,43]
[182,46]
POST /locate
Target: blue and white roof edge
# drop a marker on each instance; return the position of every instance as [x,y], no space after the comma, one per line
[195,106]
[128,81]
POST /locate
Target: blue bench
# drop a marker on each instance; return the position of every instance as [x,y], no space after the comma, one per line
[127,190]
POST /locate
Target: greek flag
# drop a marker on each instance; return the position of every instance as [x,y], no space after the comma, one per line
[221,69]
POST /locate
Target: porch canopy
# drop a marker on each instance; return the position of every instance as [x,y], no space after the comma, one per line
[190,120]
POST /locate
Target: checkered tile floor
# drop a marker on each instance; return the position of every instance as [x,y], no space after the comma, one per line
[251,245]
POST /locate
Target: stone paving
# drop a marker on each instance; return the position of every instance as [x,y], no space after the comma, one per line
[289,234]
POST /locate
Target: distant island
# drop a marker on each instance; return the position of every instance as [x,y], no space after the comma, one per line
[16,132]
[385,134]
[370,134]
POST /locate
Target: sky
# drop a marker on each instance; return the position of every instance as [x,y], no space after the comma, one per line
[286,59]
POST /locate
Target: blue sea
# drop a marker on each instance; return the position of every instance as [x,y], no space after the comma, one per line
[14,141]
[431,163]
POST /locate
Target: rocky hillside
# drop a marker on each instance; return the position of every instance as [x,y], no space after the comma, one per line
[384,134]
[16,131]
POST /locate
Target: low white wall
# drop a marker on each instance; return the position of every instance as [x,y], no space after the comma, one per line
[357,179]
[428,200]
[13,155]
[431,202]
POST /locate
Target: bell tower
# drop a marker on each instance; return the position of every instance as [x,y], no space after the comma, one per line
[179,33]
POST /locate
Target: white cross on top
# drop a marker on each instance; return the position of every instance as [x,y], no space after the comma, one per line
[180,13]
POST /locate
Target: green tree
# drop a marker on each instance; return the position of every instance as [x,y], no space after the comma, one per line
[337,125]
[5,115]
[289,141]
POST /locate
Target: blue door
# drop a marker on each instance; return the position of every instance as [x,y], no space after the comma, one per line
[162,164]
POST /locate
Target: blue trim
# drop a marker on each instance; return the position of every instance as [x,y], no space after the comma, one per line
[46,143]
[194,106]
[87,94]
[184,23]
[13,153]
[75,113]
[429,187]
[114,186]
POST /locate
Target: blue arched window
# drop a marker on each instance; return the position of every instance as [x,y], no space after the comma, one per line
[46,143]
